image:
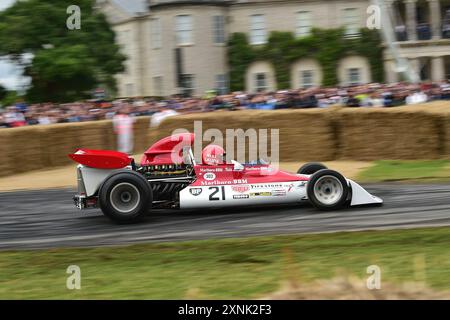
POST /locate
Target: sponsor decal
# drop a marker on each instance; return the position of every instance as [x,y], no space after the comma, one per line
[223,182]
[261,194]
[195,191]
[241,196]
[211,169]
[267,186]
[258,168]
[209,176]
[279,193]
[240,188]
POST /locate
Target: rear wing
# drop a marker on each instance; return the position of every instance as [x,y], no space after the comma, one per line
[101,159]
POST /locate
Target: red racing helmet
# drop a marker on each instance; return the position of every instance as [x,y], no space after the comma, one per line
[213,155]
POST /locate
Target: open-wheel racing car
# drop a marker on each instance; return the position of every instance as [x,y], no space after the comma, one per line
[169,177]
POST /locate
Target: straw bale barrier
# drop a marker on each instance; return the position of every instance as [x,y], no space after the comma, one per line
[303,134]
[400,133]
[412,132]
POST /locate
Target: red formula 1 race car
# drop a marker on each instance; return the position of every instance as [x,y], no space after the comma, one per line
[168,176]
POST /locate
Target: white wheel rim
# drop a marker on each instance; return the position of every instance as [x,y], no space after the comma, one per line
[328,190]
[124,197]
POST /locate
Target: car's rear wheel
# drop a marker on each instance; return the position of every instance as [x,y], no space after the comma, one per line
[311,168]
[327,190]
[125,197]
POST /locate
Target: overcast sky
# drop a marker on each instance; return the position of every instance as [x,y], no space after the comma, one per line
[9,74]
[5,4]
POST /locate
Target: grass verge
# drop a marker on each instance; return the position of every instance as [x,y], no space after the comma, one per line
[414,171]
[226,268]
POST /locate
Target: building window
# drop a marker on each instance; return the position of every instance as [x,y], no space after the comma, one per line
[307,78]
[260,82]
[158,86]
[221,84]
[257,29]
[183,29]
[304,23]
[187,85]
[354,76]
[219,29]
[156,33]
[351,21]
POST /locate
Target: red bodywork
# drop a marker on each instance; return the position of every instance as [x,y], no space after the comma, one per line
[101,159]
[168,150]
[225,174]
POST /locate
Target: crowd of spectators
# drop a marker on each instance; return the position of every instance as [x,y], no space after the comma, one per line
[368,95]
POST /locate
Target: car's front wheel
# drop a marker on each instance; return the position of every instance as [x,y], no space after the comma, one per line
[125,197]
[327,190]
[311,167]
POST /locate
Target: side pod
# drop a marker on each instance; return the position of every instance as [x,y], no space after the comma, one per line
[360,196]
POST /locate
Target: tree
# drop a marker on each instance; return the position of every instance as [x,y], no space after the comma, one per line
[66,63]
[3,92]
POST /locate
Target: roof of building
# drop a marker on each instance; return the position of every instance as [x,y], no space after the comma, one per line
[159,3]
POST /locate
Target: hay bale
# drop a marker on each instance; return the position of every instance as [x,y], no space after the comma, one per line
[94,135]
[371,134]
[59,140]
[20,150]
[6,149]
[141,131]
[410,132]
[303,134]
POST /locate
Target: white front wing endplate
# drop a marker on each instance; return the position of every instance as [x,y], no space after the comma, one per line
[361,196]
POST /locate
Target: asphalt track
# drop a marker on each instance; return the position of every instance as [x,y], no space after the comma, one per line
[48,219]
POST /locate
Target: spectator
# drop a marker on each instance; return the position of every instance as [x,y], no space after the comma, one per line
[123,128]
[352,101]
[367,95]
[158,117]
[13,118]
[3,124]
[416,97]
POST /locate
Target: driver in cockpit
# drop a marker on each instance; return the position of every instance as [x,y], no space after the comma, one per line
[213,155]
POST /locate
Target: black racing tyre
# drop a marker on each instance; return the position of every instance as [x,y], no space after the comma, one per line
[125,197]
[311,167]
[327,190]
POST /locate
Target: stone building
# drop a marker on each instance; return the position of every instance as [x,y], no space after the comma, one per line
[179,46]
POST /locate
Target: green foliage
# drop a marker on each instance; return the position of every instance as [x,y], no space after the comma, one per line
[283,49]
[3,92]
[9,99]
[240,55]
[67,63]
